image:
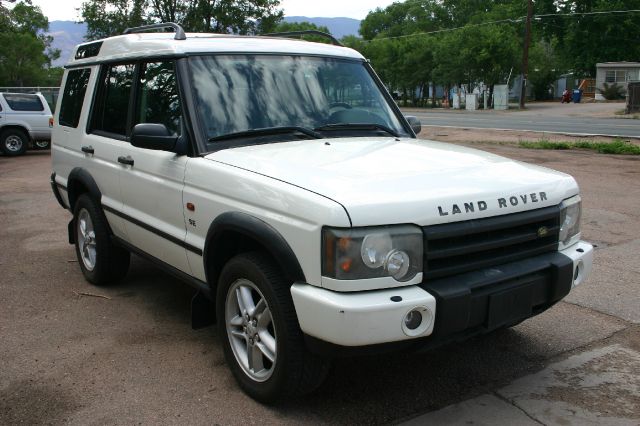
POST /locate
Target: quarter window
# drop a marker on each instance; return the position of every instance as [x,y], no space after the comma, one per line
[111,107]
[158,99]
[19,102]
[73,97]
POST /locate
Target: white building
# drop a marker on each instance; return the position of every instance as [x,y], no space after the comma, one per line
[620,73]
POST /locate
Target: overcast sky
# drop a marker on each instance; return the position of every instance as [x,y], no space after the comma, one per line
[65,10]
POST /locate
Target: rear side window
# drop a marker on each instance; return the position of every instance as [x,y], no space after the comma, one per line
[19,102]
[73,97]
[111,106]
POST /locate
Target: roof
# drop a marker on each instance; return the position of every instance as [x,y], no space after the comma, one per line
[618,65]
[163,44]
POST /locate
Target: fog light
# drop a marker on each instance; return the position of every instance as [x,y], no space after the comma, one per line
[413,320]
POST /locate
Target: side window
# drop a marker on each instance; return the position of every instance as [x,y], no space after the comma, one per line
[158,100]
[73,96]
[19,102]
[111,105]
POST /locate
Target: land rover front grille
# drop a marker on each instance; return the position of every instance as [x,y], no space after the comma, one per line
[454,248]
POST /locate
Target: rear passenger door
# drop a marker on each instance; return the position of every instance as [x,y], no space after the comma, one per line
[106,135]
[151,185]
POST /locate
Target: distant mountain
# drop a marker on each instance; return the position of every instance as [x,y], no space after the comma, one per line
[339,27]
[66,35]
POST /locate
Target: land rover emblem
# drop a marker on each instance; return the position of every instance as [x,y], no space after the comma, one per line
[543,231]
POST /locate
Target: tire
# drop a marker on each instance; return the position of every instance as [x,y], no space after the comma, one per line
[42,144]
[294,370]
[13,142]
[100,260]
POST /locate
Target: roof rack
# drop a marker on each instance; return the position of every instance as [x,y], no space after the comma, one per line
[305,32]
[180,35]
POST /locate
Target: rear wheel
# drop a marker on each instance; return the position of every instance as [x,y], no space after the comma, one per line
[263,343]
[13,142]
[100,260]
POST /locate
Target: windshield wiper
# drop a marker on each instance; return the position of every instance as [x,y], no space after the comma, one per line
[266,131]
[356,126]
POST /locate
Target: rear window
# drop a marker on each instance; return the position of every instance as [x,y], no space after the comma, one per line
[19,102]
[73,97]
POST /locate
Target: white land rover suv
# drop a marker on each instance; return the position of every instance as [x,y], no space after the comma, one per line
[279,178]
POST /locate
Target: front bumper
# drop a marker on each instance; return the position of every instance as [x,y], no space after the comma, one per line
[459,307]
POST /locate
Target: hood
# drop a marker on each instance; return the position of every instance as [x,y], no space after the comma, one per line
[389,181]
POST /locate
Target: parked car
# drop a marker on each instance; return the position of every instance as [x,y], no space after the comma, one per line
[25,122]
[280,180]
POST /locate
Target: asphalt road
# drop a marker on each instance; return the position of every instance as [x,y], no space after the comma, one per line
[77,354]
[532,122]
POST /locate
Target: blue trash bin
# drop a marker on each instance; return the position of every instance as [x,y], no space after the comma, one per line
[577,95]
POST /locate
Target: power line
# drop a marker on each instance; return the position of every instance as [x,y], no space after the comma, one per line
[603,12]
[502,21]
[444,30]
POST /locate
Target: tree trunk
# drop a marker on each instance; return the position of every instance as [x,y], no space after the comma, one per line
[433,94]
[491,96]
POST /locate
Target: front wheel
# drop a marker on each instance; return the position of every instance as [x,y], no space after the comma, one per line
[263,343]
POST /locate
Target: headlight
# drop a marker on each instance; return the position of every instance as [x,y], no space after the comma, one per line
[570,212]
[358,253]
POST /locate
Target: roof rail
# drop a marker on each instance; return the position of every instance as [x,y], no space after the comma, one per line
[145,29]
[306,32]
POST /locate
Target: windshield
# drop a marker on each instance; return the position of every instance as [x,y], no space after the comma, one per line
[241,94]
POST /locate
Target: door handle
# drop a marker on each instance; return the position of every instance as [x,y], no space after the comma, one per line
[87,149]
[125,160]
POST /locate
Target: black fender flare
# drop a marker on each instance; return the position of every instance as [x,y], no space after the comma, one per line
[79,182]
[259,231]
[79,177]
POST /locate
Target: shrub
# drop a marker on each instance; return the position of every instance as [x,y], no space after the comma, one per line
[612,92]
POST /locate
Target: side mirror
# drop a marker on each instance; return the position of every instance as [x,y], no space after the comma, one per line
[415,124]
[153,136]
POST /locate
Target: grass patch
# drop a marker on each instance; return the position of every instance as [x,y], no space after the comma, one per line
[618,146]
[622,113]
[544,144]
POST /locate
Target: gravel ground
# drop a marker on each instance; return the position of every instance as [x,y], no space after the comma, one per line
[131,356]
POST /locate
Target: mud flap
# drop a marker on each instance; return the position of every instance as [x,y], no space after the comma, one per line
[72,236]
[203,313]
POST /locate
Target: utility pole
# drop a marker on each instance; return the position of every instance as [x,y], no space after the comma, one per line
[525,55]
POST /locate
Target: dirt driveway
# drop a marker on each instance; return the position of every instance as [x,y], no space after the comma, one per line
[130,356]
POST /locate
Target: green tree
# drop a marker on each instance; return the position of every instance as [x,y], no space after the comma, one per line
[585,40]
[403,56]
[284,27]
[105,18]
[25,49]
[421,42]
[545,67]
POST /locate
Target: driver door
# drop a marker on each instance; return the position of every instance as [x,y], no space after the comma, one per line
[153,180]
